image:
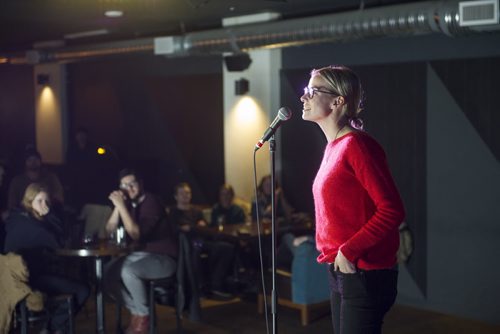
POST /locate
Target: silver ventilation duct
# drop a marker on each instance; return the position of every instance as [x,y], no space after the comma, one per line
[390,21]
[400,20]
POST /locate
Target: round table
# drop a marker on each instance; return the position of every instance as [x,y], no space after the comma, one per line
[99,251]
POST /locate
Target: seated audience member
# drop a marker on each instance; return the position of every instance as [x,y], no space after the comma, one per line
[34,171]
[225,211]
[33,232]
[184,215]
[83,168]
[82,151]
[143,219]
[283,209]
[220,254]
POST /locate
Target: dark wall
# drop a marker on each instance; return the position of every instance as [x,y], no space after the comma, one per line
[168,126]
[395,99]
[463,182]
[474,85]
[17,110]
[17,120]
[431,102]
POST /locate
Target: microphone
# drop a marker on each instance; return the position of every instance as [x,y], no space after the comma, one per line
[284,114]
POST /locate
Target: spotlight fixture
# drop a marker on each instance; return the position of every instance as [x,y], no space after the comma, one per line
[241,86]
[42,79]
[237,62]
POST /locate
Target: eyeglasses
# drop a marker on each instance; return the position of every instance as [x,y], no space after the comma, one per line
[129,185]
[310,91]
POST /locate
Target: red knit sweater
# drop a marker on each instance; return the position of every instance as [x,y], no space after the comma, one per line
[358,208]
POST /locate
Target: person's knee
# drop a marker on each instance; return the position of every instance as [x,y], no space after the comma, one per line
[128,275]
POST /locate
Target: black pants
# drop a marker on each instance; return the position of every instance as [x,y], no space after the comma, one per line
[359,301]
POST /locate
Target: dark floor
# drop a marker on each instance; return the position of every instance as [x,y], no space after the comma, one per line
[240,317]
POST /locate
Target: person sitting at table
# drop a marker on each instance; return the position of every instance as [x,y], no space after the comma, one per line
[34,232]
[283,208]
[225,211]
[34,171]
[220,253]
[143,219]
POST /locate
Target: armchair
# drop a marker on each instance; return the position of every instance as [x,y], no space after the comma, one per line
[305,287]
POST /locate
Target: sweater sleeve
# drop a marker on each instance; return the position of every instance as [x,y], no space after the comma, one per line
[149,216]
[370,167]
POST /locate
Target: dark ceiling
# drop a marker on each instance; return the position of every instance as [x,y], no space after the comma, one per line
[26,22]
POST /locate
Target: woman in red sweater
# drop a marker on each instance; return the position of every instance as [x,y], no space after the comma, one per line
[358,207]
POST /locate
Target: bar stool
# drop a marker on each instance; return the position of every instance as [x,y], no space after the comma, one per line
[26,316]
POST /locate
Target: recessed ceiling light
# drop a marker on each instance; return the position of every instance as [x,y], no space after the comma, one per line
[113,13]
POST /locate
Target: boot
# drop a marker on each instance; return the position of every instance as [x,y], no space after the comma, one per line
[141,325]
[132,324]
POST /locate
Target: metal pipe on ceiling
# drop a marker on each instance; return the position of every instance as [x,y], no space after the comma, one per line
[389,21]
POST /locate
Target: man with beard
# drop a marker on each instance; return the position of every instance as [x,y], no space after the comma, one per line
[142,217]
[34,171]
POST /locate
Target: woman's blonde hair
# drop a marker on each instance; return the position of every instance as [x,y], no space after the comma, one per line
[344,82]
[29,195]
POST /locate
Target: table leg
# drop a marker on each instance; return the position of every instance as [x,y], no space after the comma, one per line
[98,296]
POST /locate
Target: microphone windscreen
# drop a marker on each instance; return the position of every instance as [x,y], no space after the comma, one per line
[284,113]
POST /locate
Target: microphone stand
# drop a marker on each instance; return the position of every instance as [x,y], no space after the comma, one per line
[274,297]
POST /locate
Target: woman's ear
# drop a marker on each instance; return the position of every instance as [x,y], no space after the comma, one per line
[338,101]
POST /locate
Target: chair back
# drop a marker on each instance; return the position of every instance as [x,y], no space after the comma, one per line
[187,280]
[309,278]
[95,217]
[180,291]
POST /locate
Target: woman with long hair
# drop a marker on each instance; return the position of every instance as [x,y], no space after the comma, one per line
[34,232]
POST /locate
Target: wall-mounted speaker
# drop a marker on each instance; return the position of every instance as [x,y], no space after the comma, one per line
[237,62]
[241,86]
[42,79]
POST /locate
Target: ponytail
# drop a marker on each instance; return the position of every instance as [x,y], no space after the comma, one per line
[356,123]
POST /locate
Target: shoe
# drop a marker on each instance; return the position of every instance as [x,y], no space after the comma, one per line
[139,324]
[132,324]
[46,331]
[221,295]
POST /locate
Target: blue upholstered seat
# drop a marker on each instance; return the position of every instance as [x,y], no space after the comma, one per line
[309,278]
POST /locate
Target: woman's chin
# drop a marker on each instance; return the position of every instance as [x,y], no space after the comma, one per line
[306,116]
